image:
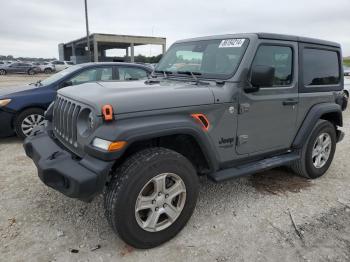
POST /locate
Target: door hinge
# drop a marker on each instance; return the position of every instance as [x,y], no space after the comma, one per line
[242,139]
[244,108]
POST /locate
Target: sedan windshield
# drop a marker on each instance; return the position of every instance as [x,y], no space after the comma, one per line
[207,58]
[59,75]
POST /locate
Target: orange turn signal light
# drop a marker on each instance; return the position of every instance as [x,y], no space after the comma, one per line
[115,146]
[107,112]
[202,120]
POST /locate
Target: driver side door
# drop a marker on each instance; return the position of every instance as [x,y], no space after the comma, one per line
[267,117]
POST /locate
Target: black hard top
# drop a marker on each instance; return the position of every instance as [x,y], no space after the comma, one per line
[296,39]
[271,36]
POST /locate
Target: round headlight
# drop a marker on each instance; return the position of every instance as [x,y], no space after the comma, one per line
[86,122]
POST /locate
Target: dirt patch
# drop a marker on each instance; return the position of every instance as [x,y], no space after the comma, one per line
[330,232]
[279,181]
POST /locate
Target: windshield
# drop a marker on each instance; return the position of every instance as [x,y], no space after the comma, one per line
[208,58]
[59,75]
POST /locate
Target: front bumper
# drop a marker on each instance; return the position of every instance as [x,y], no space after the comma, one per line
[59,169]
[6,119]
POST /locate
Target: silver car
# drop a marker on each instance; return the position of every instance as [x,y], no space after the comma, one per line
[19,68]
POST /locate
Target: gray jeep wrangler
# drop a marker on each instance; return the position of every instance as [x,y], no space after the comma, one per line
[221,106]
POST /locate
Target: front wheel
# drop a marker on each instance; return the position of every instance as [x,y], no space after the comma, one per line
[31,72]
[26,122]
[317,153]
[151,197]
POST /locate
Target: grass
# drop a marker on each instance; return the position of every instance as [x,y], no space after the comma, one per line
[346,62]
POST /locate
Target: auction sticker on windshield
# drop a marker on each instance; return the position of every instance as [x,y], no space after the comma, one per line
[236,42]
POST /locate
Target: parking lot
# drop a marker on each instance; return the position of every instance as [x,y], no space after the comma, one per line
[270,216]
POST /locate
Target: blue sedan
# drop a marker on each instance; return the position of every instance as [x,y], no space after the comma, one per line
[22,108]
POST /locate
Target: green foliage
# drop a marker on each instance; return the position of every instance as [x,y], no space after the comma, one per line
[346,62]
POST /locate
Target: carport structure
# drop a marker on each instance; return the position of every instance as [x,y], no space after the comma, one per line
[76,50]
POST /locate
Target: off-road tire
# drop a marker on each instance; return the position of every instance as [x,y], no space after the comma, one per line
[3,72]
[21,116]
[304,166]
[127,182]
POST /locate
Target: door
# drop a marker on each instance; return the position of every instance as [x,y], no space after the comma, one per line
[14,68]
[59,65]
[267,117]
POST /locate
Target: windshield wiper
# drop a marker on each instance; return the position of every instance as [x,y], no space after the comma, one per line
[190,73]
[164,72]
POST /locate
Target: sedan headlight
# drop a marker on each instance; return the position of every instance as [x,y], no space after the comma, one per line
[4,102]
[108,145]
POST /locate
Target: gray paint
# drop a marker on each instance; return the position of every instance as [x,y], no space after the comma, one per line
[269,125]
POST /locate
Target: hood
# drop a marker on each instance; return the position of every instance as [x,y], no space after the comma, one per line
[136,96]
[14,90]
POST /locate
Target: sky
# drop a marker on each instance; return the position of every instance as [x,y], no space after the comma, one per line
[33,28]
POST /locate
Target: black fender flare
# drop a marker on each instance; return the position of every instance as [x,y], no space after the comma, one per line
[314,114]
[144,128]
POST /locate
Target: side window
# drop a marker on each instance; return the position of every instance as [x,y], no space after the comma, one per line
[106,74]
[131,73]
[93,75]
[278,57]
[86,76]
[320,67]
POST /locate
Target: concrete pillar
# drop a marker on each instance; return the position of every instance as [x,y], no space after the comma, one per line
[127,53]
[163,48]
[73,49]
[95,51]
[132,53]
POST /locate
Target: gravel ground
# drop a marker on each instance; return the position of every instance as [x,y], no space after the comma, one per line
[245,219]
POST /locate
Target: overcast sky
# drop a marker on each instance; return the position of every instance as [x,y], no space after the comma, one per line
[34,27]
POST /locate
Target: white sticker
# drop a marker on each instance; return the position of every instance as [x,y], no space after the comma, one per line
[236,42]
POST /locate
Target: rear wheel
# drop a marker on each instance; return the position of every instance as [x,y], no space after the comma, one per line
[317,154]
[151,197]
[48,71]
[346,94]
[2,72]
[28,120]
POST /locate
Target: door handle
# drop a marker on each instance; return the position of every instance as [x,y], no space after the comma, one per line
[290,102]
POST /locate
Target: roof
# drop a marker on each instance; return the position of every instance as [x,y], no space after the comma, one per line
[271,36]
[114,63]
[119,39]
[296,39]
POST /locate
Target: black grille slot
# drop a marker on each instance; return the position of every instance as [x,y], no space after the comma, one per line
[65,120]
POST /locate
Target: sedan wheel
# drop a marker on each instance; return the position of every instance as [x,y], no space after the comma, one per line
[2,72]
[28,120]
[31,122]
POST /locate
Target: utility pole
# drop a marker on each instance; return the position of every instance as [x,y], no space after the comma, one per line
[87,31]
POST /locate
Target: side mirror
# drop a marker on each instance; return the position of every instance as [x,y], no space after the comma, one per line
[261,76]
[67,83]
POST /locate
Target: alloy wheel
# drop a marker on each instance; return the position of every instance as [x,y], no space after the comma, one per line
[160,202]
[321,150]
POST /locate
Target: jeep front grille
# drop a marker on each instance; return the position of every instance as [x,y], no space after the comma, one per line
[65,116]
